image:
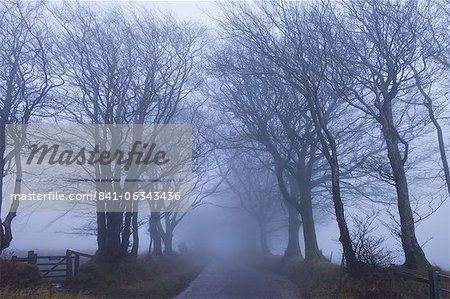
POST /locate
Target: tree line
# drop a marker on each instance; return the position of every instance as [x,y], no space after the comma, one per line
[336,92]
[325,100]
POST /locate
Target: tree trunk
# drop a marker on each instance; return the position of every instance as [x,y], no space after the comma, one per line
[429,105]
[168,236]
[101,231]
[301,191]
[135,247]
[6,236]
[329,148]
[2,159]
[150,243]
[168,243]
[414,255]
[441,143]
[312,251]
[344,237]
[5,239]
[155,234]
[126,233]
[293,247]
[265,250]
[113,247]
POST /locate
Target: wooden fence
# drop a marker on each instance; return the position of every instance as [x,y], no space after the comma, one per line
[439,283]
[55,268]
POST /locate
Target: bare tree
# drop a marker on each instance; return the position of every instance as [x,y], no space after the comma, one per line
[274,119]
[287,34]
[27,77]
[381,43]
[204,179]
[126,69]
[255,185]
[435,53]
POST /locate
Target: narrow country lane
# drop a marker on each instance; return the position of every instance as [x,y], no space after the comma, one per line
[230,278]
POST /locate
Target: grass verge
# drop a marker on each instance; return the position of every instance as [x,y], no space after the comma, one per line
[22,281]
[146,277]
[327,280]
[155,277]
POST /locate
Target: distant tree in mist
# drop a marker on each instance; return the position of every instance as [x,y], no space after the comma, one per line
[205,181]
[254,184]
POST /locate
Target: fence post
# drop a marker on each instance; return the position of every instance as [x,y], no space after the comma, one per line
[68,266]
[32,257]
[435,291]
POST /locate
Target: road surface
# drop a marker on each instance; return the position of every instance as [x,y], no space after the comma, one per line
[230,278]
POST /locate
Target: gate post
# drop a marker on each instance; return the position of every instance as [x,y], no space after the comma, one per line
[32,257]
[435,291]
[76,265]
[68,266]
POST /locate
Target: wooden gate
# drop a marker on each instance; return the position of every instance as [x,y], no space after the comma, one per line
[58,269]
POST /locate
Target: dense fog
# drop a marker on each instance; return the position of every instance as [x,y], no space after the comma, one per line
[313,131]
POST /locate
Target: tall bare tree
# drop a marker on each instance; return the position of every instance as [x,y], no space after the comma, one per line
[27,77]
[381,42]
[287,35]
[125,68]
[435,65]
[274,117]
